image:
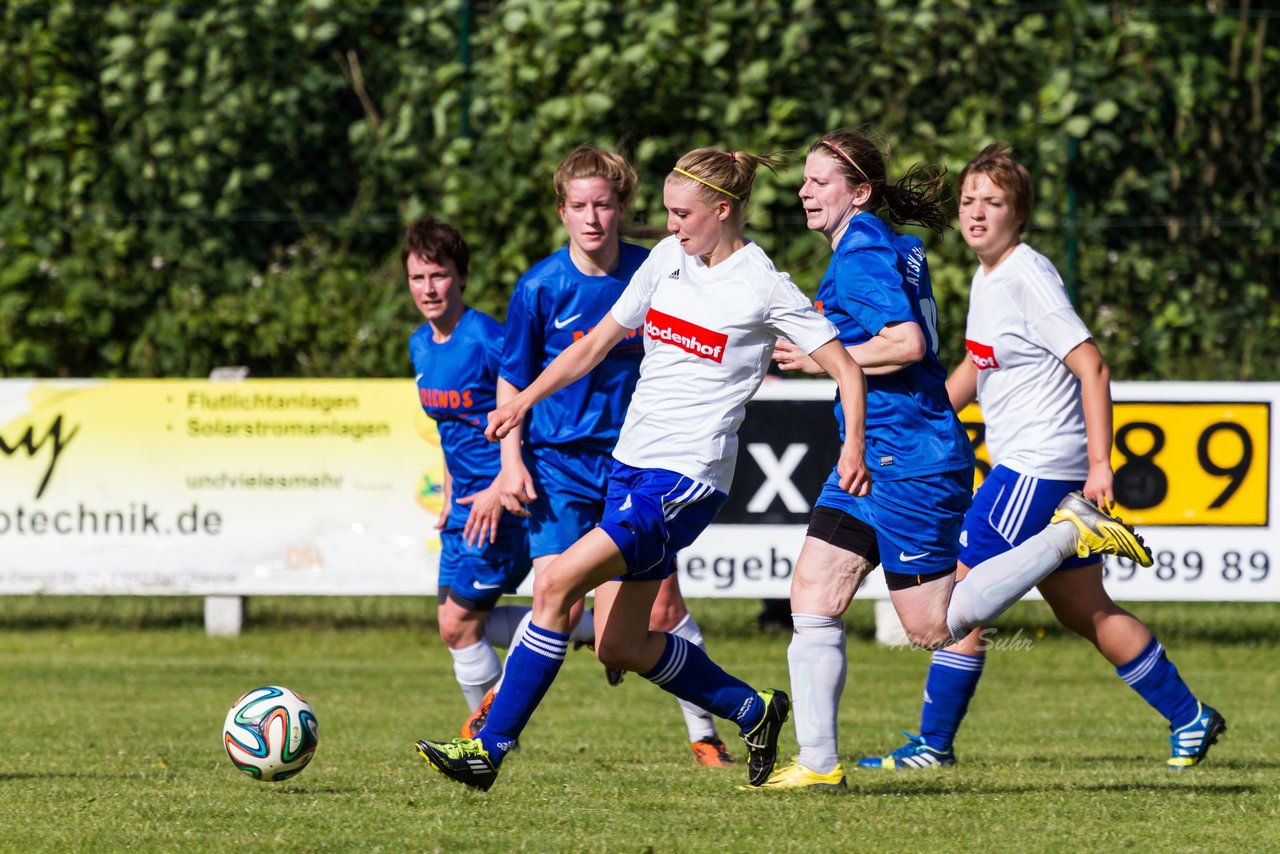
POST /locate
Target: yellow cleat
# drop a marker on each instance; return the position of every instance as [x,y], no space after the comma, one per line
[1099,533]
[797,776]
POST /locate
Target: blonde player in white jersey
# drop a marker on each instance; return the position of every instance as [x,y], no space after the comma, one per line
[711,305]
[1046,401]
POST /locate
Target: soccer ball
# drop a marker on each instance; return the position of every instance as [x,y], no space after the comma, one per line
[271,733]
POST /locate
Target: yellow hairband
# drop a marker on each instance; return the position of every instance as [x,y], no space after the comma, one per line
[708,183]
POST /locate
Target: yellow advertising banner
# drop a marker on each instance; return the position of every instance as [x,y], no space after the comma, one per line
[300,485]
[1181,463]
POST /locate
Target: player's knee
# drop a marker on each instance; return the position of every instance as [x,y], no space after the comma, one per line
[928,635]
[551,593]
[460,628]
[618,656]
[664,618]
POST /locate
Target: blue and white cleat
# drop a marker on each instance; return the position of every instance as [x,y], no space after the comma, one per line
[916,753]
[1190,744]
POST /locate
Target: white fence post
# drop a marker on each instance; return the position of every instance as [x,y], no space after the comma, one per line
[223,615]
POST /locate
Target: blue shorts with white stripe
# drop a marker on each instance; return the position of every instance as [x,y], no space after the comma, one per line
[1009,508]
[650,514]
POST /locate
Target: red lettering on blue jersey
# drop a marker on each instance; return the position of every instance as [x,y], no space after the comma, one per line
[631,333]
[445,398]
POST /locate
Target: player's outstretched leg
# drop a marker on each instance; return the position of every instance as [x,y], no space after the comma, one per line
[1190,743]
[708,749]
[683,669]
[532,667]
[1077,525]
[951,683]
[1098,532]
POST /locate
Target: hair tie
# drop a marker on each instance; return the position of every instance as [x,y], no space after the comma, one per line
[733,157]
[838,150]
[708,183]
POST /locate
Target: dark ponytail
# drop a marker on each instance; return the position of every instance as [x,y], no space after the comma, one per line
[916,198]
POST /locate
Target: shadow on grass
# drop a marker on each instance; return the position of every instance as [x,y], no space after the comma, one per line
[1148,763]
[274,790]
[1241,623]
[969,789]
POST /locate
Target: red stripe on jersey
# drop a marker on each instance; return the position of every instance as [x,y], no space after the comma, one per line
[701,342]
[982,355]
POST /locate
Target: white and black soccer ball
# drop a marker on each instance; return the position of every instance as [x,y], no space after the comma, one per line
[271,733]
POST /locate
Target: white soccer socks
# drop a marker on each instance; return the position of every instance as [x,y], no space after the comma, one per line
[996,583]
[818,670]
[477,669]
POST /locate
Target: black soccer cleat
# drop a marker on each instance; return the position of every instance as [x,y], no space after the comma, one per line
[762,741]
[463,759]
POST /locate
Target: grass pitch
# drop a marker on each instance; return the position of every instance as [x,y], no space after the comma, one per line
[114,709]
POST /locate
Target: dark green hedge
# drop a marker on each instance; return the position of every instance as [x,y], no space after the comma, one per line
[187,185]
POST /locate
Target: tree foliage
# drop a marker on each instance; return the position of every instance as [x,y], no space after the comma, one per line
[184,186]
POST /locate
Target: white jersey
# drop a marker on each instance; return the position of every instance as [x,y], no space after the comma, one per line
[708,337]
[1020,327]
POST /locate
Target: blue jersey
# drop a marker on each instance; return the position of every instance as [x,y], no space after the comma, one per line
[555,304]
[456,382]
[877,277]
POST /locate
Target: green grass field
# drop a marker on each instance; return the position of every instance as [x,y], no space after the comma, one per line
[114,709]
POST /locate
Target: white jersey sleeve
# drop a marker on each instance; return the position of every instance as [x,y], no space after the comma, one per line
[790,314]
[633,305]
[1042,301]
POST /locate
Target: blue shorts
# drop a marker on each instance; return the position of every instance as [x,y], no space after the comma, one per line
[571,487]
[917,520]
[477,576]
[1009,508]
[650,514]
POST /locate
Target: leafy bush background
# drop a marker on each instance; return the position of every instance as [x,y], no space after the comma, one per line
[186,185]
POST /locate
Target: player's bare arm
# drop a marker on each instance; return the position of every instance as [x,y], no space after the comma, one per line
[1086,362]
[895,347]
[898,345]
[514,483]
[573,364]
[852,466]
[962,385]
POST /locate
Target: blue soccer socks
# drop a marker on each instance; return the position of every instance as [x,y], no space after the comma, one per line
[953,678]
[686,671]
[531,668]
[1156,679]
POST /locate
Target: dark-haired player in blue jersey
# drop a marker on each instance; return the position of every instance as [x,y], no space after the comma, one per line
[877,292]
[559,474]
[484,550]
